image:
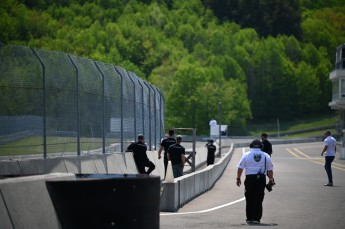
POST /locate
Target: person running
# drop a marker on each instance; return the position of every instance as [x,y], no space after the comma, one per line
[165,144]
[139,149]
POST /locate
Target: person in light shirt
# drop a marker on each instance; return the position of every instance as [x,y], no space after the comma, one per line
[329,149]
[213,122]
[256,164]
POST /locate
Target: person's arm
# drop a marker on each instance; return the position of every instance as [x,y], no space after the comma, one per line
[160,152]
[183,159]
[239,174]
[270,176]
[271,150]
[129,148]
[324,150]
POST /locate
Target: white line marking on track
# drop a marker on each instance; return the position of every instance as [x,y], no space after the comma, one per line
[204,211]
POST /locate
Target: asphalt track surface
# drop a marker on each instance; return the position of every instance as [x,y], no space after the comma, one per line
[299,200]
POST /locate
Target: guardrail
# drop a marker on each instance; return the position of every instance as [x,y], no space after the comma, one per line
[187,187]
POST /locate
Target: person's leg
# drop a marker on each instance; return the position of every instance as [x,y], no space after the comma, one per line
[259,198]
[141,167]
[165,164]
[328,168]
[250,195]
[209,162]
[175,170]
[180,171]
[151,166]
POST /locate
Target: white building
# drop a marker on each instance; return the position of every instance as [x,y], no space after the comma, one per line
[338,91]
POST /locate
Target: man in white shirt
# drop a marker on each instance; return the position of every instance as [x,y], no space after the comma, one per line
[329,150]
[213,122]
[256,164]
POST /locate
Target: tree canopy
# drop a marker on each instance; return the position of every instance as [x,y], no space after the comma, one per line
[261,59]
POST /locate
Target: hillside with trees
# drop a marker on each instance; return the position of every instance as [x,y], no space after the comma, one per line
[261,59]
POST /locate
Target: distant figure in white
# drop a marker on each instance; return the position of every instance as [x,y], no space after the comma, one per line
[214,129]
[213,122]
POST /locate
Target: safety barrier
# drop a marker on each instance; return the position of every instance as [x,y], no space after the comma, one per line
[120,163]
[25,202]
[114,163]
[187,187]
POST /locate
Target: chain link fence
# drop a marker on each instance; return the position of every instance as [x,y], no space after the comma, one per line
[56,103]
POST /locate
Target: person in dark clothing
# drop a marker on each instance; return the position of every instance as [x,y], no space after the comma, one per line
[176,154]
[165,144]
[211,149]
[139,149]
[267,146]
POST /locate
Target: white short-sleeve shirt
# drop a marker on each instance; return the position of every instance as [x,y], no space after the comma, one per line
[253,162]
[330,142]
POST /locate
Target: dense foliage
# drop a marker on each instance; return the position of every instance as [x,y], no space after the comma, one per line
[261,59]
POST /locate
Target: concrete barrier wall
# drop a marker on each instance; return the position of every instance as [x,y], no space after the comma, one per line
[25,202]
[192,185]
[115,163]
[9,167]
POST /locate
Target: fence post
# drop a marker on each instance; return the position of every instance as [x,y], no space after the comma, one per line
[161,115]
[134,106]
[78,115]
[44,94]
[121,107]
[142,106]
[155,114]
[149,112]
[103,107]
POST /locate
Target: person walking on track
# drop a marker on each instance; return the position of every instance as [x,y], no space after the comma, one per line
[329,150]
[256,164]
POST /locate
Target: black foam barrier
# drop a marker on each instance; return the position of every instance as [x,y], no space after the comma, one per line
[107,201]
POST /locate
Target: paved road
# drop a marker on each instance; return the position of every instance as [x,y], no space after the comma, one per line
[299,200]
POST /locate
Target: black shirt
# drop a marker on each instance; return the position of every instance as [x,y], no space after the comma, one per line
[267,147]
[211,149]
[139,151]
[175,151]
[166,143]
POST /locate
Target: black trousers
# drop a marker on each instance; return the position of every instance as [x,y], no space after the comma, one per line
[210,160]
[328,168]
[254,193]
[142,164]
[165,164]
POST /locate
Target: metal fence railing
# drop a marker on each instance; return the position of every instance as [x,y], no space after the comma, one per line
[53,102]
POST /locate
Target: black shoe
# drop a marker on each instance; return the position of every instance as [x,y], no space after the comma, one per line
[329,184]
